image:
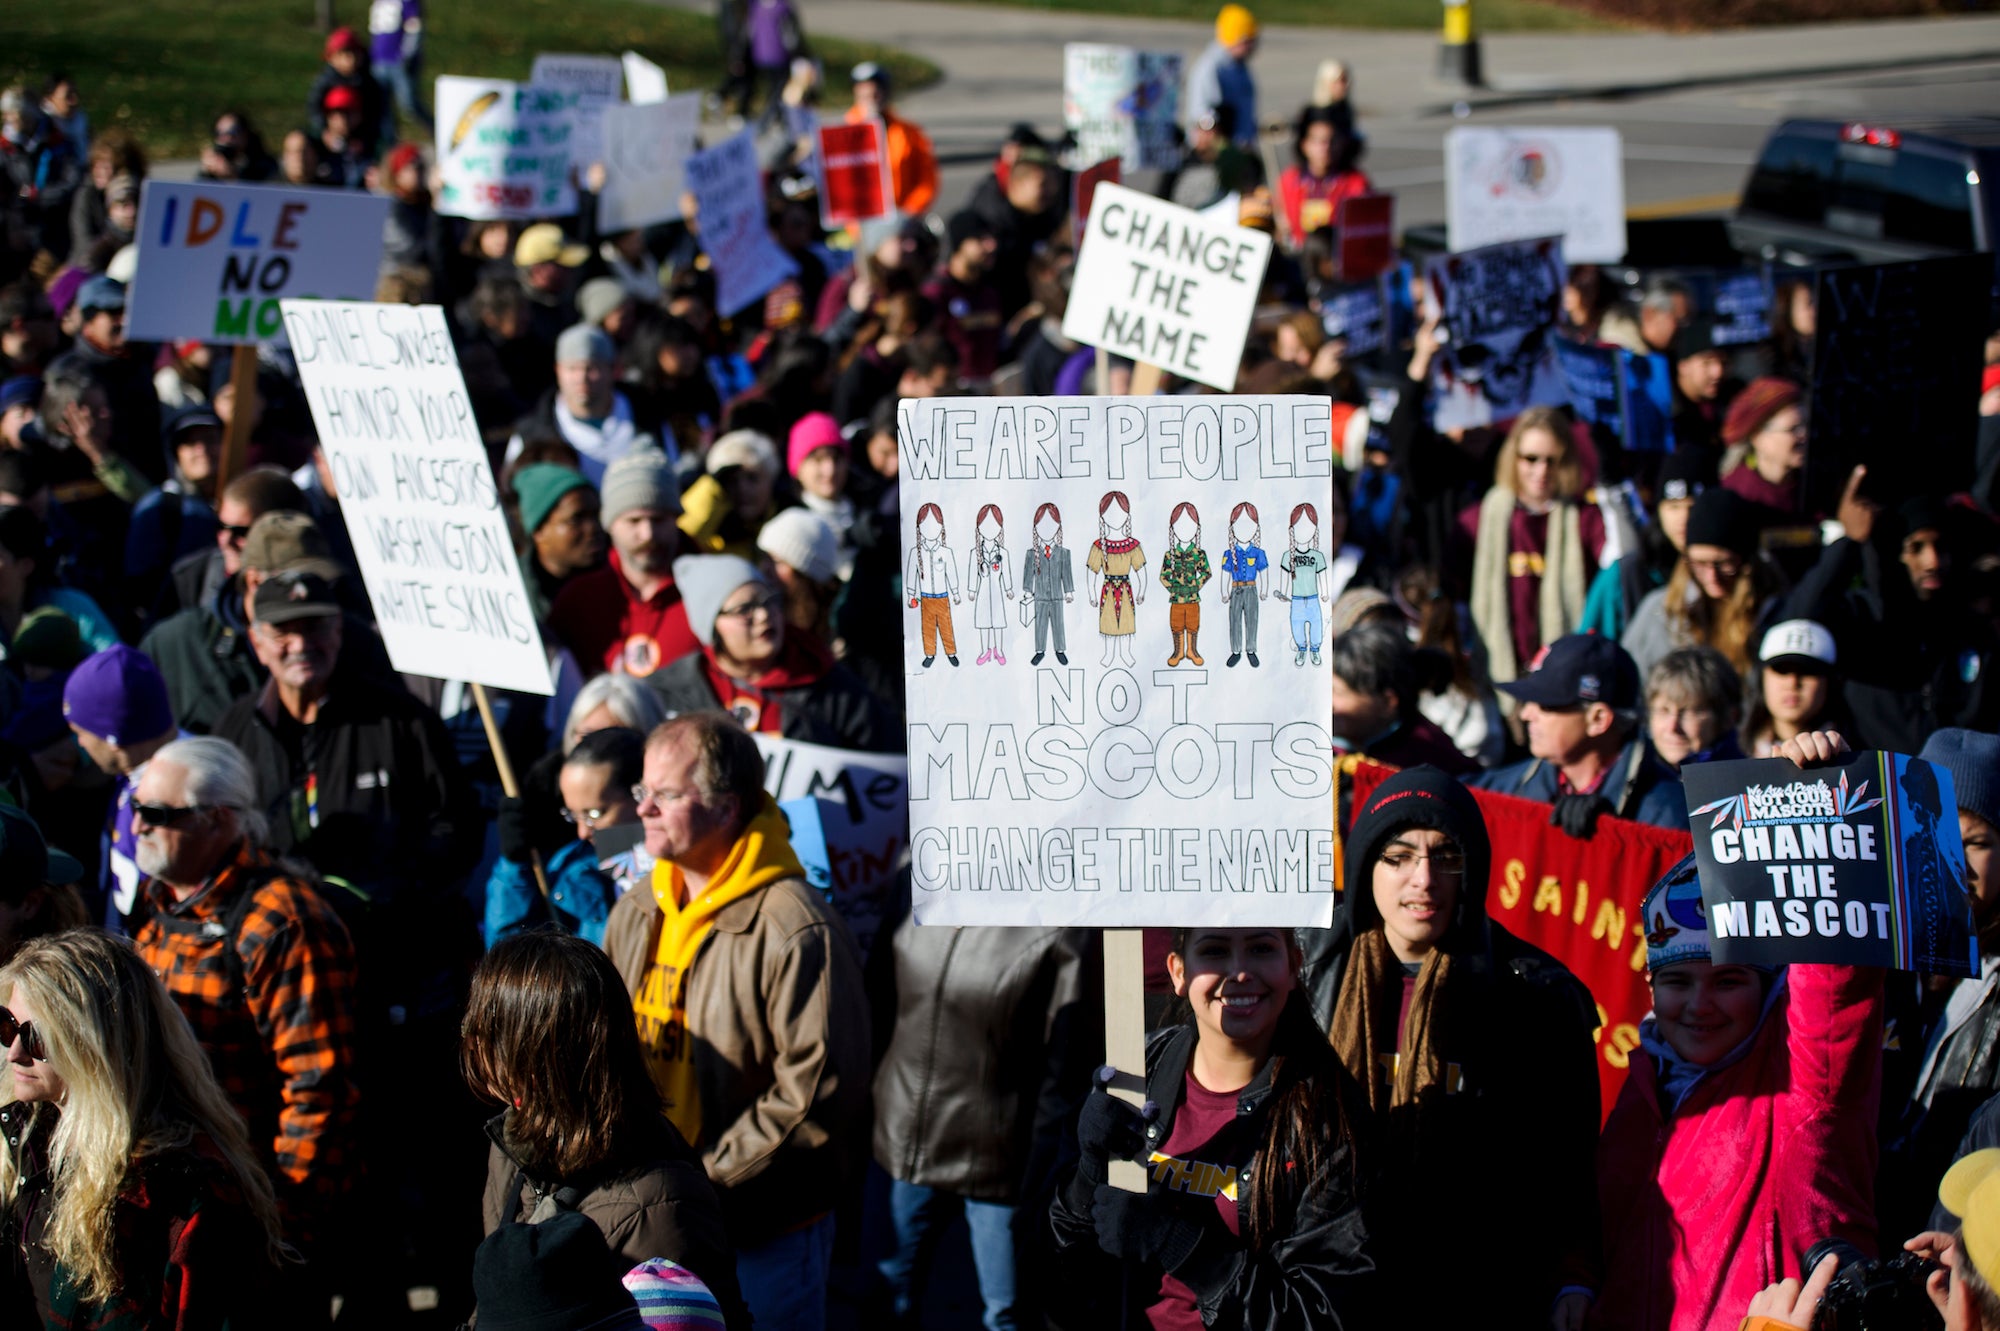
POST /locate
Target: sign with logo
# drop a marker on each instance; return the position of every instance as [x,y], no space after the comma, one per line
[504,149]
[1118,102]
[1366,225]
[1516,184]
[854,174]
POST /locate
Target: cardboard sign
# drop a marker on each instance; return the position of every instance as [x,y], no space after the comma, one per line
[1501,306]
[646,149]
[1118,102]
[504,149]
[215,260]
[591,82]
[853,174]
[1595,377]
[1366,225]
[1358,314]
[863,819]
[729,196]
[1083,192]
[416,492]
[1896,361]
[1093,758]
[1518,184]
[1855,864]
[645,82]
[1166,286]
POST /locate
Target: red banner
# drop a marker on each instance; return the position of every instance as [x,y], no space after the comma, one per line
[1083,186]
[1576,900]
[854,174]
[1367,227]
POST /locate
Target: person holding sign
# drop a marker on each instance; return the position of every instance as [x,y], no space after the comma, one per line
[1746,1131]
[913,171]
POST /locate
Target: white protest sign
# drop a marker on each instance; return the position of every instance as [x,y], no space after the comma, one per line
[867,828]
[503,149]
[645,82]
[646,149]
[416,492]
[1517,184]
[591,82]
[1123,103]
[1135,731]
[729,199]
[1166,286]
[215,260]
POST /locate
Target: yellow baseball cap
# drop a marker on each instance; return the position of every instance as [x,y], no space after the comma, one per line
[543,243]
[1971,1191]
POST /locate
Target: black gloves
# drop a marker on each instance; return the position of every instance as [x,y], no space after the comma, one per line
[512,823]
[1578,814]
[1158,1228]
[1107,1129]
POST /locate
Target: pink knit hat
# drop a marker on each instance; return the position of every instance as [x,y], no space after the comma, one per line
[813,430]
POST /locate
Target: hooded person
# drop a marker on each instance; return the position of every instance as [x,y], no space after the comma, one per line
[1473,1051]
[1746,1131]
[178,518]
[774,679]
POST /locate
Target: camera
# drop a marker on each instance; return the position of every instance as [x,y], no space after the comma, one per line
[1873,1294]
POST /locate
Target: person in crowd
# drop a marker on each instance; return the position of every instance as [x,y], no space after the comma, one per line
[666,368]
[177,519]
[970,309]
[1797,687]
[236,152]
[913,171]
[28,581]
[546,265]
[603,302]
[1623,585]
[1745,1132]
[609,702]
[1701,390]
[116,704]
[1220,75]
[559,515]
[1664,308]
[101,355]
[395,58]
[343,154]
[115,160]
[1322,175]
[1535,544]
[1375,699]
[1693,698]
[805,560]
[1765,433]
[38,893]
[1587,749]
[748,994]
[595,788]
[550,1035]
[42,168]
[627,615]
[1023,214]
[588,410]
[347,68]
[774,679]
[817,455]
[722,512]
[985,1017]
[62,105]
[1721,594]
[1467,1044]
[1453,694]
[1214,164]
[77,456]
[262,968]
[131,1192]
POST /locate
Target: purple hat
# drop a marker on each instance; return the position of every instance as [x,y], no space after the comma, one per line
[118,696]
[672,1298]
[62,291]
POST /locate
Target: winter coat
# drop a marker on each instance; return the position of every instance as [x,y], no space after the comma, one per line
[835,709]
[1635,787]
[1706,1204]
[580,895]
[656,1204]
[1956,1078]
[913,168]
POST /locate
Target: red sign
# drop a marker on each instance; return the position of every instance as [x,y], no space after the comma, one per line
[853,174]
[1082,188]
[1367,227]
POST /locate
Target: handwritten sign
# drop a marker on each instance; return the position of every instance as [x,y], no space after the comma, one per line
[591,82]
[646,148]
[735,232]
[504,149]
[1505,184]
[215,260]
[417,492]
[1500,306]
[864,817]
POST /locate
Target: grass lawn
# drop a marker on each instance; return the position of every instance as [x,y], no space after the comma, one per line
[1488,15]
[164,68]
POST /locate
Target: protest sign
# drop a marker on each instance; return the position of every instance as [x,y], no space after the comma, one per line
[645,159]
[1649,402]
[1357,314]
[591,82]
[503,149]
[729,201]
[1595,377]
[1741,308]
[1500,306]
[1118,102]
[645,82]
[1366,225]
[1093,757]
[1896,362]
[1165,286]
[853,174]
[864,817]
[416,492]
[215,260]
[1577,900]
[1857,863]
[1083,192]
[1517,184]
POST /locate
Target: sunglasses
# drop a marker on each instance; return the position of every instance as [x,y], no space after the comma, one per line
[236,535]
[166,815]
[24,1031]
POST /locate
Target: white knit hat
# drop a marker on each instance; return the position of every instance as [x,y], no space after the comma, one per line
[806,541]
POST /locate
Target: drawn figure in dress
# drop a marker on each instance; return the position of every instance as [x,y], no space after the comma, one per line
[1118,576]
[1246,581]
[1184,572]
[1047,584]
[989,581]
[930,579]
[1304,584]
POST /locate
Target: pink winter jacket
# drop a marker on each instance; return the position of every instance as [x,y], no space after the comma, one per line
[1763,1160]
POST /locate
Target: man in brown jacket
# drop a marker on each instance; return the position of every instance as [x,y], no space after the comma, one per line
[749,999]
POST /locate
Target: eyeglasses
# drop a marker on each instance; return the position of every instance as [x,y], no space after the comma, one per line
[767,605]
[236,535]
[167,815]
[590,818]
[1793,431]
[1445,861]
[24,1031]
[1721,568]
[643,795]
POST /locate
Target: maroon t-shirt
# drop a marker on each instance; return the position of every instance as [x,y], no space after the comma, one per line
[1202,1156]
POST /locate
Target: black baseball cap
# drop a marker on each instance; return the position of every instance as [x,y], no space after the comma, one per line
[26,857]
[285,598]
[1580,668]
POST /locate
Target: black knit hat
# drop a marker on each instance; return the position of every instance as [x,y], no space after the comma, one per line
[1724,518]
[1685,473]
[1419,797]
[555,1276]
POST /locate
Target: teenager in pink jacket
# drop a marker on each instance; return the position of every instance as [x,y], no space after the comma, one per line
[1746,1130]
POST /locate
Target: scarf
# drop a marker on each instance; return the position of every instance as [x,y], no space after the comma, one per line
[1676,1076]
[599,443]
[1563,583]
[1364,1031]
[760,857]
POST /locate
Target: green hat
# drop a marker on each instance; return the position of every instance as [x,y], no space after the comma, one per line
[540,486]
[48,637]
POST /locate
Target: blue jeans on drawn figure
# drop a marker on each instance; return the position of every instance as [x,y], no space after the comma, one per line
[784,1281]
[1307,626]
[921,1215]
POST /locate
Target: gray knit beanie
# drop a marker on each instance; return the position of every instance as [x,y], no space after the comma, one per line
[1973,759]
[705,582]
[642,478]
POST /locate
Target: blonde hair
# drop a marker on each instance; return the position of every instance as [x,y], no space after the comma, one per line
[1726,625]
[137,1085]
[1567,482]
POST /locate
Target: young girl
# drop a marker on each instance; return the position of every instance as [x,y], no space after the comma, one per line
[1305,564]
[1117,565]
[1796,688]
[1184,572]
[988,580]
[928,578]
[1250,1218]
[1720,592]
[1246,564]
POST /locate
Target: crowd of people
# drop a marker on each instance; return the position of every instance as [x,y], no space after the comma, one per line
[305,1019]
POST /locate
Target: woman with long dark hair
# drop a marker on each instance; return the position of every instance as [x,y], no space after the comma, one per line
[549,1033]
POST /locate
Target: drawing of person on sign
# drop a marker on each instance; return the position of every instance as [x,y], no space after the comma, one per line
[1117,565]
[1937,888]
[1248,568]
[988,582]
[1048,584]
[1305,567]
[1184,572]
[929,578]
